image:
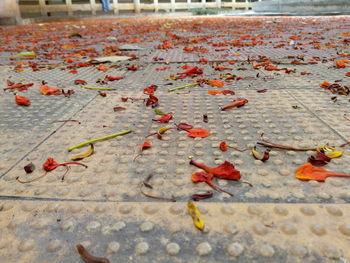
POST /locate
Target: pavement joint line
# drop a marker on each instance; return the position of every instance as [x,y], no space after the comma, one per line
[317,117]
[46,138]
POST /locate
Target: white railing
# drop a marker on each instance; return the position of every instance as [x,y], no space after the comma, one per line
[50,6]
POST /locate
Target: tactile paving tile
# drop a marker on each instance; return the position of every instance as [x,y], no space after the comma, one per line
[22,128]
[332,113]
[113,175]
[48,231]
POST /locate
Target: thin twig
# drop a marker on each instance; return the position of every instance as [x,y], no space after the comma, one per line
[280,146]
[346,118]
[156,197]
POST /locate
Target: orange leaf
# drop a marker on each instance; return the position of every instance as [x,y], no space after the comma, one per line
[202,133]
[308,172]
[325,84]
[102,67]
[216,83]
[21,100]
[46,90]
[342,63]
[347,74]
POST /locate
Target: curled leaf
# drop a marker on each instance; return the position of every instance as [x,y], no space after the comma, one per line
[201,133]
[320,159]
[29,168]
[205,118]
[258,156]
[119,108]
[152,101]
[111,78]
[202,196]
[150,90]
[84,155]
[307,172]
[196,216]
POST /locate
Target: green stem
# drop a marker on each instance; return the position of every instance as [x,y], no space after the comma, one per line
[96,88]
[100,139]
[183,87]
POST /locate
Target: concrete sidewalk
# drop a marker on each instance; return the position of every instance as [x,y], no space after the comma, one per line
[277,63]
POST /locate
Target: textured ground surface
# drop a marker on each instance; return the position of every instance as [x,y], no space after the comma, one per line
[275,219]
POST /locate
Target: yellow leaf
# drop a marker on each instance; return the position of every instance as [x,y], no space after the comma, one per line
[84,155]
[163,129]
[196,216]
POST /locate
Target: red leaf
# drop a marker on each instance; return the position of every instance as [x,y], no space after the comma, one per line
[152,100]
[235,104]
[150,90]
[320,159]
[223,171]
[110,78]
[261,90]
[132,67]
[223,146]
[203,177]
[192,71]
[224,92]
[146,145]
[51,164]
[164,119]
[21,100]
[102,67]
[79,82]
[102,94]
[119,108]
[163,68]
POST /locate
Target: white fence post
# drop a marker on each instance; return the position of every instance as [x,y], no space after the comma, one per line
[188,4]
[203,3]
[115,7]
[93,6]
[42,5]
[69,7]
[233,4]
[172,5]
[218,3]
[156,7]
[137,6]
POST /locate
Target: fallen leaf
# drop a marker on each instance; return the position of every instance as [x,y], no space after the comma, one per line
[223,171]
[146,145]
[51,164]
[102,94]
[80,82]
[224,92]
[21,100]
[184,126]
[88,258]
[84,155]
[235,104]
[150,90]
[29,168]
[202,196]
[261,90]
[196,216]
[119,108]
[307,172]
[164,119]
[46,90]
[199,132]
[111,78]
[223,146]
[216,83]
[152,101]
